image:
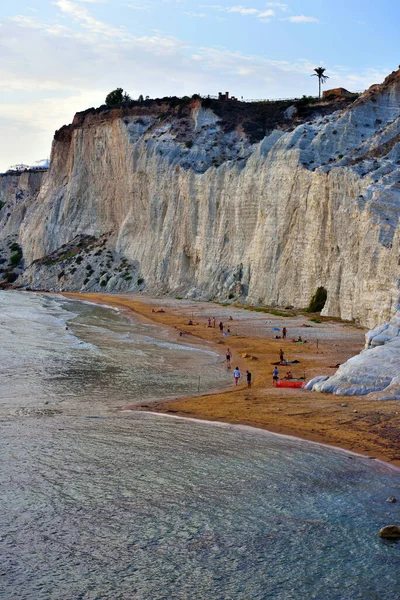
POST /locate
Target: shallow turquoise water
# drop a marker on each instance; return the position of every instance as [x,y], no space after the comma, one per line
[98,504]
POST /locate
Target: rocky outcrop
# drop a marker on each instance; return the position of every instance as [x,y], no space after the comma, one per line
[375,372]
[192,198]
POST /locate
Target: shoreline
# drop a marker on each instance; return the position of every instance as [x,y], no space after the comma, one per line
[355,424]
[260,430]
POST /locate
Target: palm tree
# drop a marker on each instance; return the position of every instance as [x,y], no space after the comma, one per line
[319,72]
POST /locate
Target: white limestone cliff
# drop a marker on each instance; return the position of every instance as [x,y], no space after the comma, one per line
[17,191]
[199,209]
[375,372]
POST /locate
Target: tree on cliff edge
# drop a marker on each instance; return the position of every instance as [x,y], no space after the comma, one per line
[116,97]
[319,72]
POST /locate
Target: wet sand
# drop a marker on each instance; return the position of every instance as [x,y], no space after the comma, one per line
[355,423]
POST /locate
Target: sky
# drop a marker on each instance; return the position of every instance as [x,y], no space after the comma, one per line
[58,57]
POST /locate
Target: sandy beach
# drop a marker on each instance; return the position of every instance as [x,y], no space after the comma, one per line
[354,423]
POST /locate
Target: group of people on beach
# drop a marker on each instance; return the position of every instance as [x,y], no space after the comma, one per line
[283,362]
[211,322]
[275,375]
[236,373]
[221,326]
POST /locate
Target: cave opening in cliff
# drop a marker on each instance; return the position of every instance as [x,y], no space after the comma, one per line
[318,300]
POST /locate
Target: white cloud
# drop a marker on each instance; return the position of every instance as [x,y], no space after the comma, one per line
[81,14]
[243,11]
[195,15]
[263,15]
[302,19]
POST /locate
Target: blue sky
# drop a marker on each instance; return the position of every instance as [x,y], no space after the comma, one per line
[61,56]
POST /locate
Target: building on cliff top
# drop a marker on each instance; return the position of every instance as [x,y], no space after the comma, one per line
[337,93]
[225,97]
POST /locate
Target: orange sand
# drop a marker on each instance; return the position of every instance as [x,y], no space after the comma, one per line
[365,426]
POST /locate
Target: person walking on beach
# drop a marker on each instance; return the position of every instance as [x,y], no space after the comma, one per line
[221,327]
[275,375]
[281,356]
[236,374]
[284,332]
[228,358]
[248,378]
[209,322]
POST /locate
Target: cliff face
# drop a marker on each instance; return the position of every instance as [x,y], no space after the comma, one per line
[184,201]
[18,191]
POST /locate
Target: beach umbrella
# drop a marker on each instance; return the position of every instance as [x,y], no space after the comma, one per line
[275,328]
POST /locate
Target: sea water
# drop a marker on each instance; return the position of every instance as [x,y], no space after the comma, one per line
[101,504]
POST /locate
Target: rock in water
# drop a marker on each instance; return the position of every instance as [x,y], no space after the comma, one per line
[390,532]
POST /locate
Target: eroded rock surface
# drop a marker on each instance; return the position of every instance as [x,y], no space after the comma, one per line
[374,372]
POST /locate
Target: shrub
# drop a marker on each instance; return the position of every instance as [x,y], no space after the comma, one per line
[14,247]
[15,259]
[140,281]
[305,100]
[86,281]
[334,131]
[189,143]
[103,283]
[315,320]
[231,296]
[278,313]
[116,97]
[318,300]
[340,156]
